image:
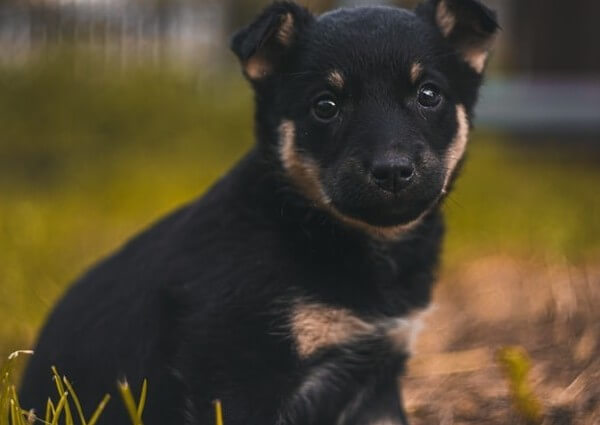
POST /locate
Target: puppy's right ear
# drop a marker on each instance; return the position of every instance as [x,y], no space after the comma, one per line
[264,44]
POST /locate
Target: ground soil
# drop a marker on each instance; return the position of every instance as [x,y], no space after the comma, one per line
[552,312]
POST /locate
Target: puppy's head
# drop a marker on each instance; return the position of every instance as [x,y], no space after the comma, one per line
[367,110]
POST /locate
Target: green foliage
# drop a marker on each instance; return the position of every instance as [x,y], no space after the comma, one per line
[525,200]
[516,365]
[61,410]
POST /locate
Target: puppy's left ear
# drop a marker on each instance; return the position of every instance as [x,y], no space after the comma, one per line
[468,25]
[263,46]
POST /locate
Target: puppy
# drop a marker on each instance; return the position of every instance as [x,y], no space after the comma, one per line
[289,290]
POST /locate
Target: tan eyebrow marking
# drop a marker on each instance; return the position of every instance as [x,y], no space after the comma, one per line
[415,72]
[336,79]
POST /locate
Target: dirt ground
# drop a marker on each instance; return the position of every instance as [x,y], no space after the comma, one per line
[551,311]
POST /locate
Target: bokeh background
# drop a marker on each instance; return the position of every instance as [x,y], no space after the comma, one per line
[114,112]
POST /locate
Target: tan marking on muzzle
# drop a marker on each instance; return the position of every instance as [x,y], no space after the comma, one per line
[315,326]
[336,79]
[305,175]
[445,18]
[415,72]
[457,148]
[303,170]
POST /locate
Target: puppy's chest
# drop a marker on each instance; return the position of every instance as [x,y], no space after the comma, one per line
[316,327]
[367,282]
[378,295]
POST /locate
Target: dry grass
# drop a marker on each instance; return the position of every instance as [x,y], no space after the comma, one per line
[64,406]
[550,311]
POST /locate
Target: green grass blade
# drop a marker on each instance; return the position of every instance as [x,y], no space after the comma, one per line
[59,408]
[143,396]
[218,412]
[14,399]
[50,411]
[5,407]
[4,400]
[10,408]
[99,410]
[517,365]
[75,399]
[13,414]
[61,390]
[127,397]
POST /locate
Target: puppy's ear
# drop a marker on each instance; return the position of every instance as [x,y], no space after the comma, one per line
[264,44]
[468,25]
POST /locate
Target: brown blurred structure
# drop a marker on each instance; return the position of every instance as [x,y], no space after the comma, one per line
[540,37]
[552,37]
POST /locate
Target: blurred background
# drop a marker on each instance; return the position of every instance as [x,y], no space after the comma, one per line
[114,112]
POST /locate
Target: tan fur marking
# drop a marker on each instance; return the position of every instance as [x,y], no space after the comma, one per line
[476,56]
[315,326]
[257,68]
[304,173]
[457,148]
[415,72]
[477,59]
[384,233]
[445,18]
[303,170]
[386,422]
[285,33]
[336,79]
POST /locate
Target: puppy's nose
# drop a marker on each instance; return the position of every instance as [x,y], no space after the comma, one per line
[393,174]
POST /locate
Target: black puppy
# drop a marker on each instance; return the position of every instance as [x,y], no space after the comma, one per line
[289,290]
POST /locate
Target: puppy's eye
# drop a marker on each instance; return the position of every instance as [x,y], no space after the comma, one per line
[429,96]
[325,108]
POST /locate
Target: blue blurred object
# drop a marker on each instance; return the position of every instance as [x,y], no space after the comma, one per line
[541,106]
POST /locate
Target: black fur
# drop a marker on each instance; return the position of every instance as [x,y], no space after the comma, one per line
[200,303]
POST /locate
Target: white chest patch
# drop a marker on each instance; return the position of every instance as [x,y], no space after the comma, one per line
[315,326]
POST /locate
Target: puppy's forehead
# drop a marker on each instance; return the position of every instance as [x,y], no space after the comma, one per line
[369,17]
[369,39]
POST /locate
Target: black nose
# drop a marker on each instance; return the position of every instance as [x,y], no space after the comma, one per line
[393,174]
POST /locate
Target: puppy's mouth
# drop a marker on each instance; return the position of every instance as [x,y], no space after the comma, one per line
[350,195]
[388,204]
[387,214]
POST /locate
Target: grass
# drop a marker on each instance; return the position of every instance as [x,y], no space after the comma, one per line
[65,408]
[517,367]
[91,154]
[525,200]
